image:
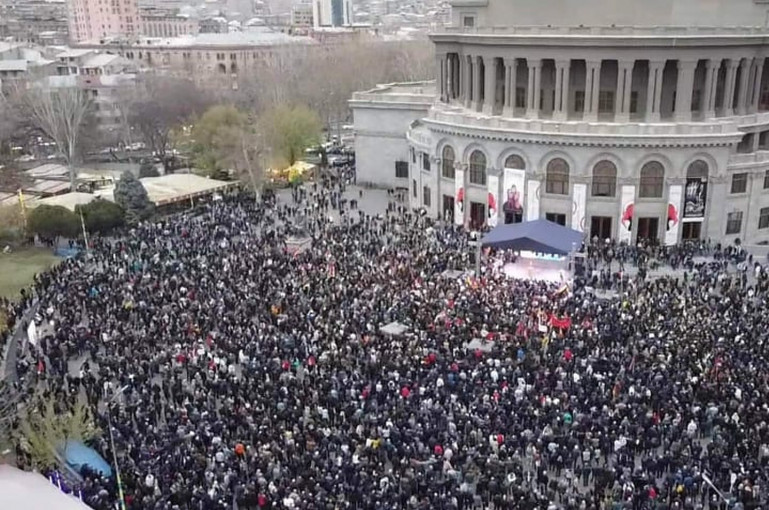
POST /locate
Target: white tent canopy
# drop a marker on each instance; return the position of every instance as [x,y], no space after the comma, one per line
[32,491]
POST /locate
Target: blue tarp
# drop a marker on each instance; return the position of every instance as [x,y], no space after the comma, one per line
[539,236]
[77,455]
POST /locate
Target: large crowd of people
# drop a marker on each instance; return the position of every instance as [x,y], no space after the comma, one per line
[243,371]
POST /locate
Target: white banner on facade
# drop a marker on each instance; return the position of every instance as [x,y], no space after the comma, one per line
[512,207]
[626,214]
[459,196]
[532,201]
[579,207]
[675,195]
[493,205]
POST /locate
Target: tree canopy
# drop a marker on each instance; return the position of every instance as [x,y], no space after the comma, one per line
[101,215]
[52,221]
[289,131]
[131,195]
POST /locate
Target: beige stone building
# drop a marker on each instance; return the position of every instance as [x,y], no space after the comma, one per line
[620,118]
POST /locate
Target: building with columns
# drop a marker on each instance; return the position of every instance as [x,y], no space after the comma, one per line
[623,119]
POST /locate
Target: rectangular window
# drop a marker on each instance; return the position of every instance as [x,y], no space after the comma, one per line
[413,156]
[766,179]
[634,101]
[734,223]
[579,101]
[468,21]
[426,196]
[556,218]
[763,218]
[414,188]
[696,100]
[605,101]
[425,162]
[739,183]
[520,97]
[477,175]
[402,169]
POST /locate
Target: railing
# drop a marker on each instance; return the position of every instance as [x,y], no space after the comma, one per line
[752,158]
[414,92]
[461,116]
[618,31]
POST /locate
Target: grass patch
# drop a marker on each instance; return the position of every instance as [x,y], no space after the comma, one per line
[18,268]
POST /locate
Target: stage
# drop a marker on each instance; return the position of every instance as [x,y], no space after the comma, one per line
[536,269]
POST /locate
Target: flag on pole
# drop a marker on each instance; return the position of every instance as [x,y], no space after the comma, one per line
[82,224]
[23,208]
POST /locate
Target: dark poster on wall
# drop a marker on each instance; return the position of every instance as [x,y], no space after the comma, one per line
[695,197]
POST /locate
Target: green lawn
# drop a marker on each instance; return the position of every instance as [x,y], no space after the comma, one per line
[18,268]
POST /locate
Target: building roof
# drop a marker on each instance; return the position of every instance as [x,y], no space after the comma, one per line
[48,171]
[74,52]
[32,491]
[13,65]
[100,60]
[168,189]
[539,236]
[46,187]
[68,200]
[256,36]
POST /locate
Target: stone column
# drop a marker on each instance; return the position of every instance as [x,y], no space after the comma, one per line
[561,107]
[731,79]
[477,84]
[509,104]
[439,81]
[624,87]
[684,90]
[759,75]
[592,86]
[708,107]
[490,86]
[532,93]
[742,94]
[449,77]
[467,95]
[654,90]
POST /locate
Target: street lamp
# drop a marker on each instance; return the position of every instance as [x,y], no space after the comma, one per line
[112,446]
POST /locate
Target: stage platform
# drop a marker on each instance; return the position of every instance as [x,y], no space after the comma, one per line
[543,270]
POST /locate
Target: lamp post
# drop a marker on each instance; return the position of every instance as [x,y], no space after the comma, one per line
[112,447]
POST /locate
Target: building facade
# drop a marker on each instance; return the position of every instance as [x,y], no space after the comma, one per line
[166,23]
[92,20]
[332,13]
[623,119]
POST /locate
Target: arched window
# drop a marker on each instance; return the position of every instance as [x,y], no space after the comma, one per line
[604,179]
[477,168]
[447,162]
[222,68]
[652,180]
[697,170]
[233,68]
[557,177]
[515,161]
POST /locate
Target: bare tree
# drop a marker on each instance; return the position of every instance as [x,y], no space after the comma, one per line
[162,104]
[61,115]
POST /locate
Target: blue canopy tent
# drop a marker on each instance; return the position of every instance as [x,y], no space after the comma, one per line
[539,236]
[77,455]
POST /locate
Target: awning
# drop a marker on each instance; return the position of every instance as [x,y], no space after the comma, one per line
[539,236]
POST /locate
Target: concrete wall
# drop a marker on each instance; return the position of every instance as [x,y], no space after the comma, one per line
[616,12]
[380,141]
